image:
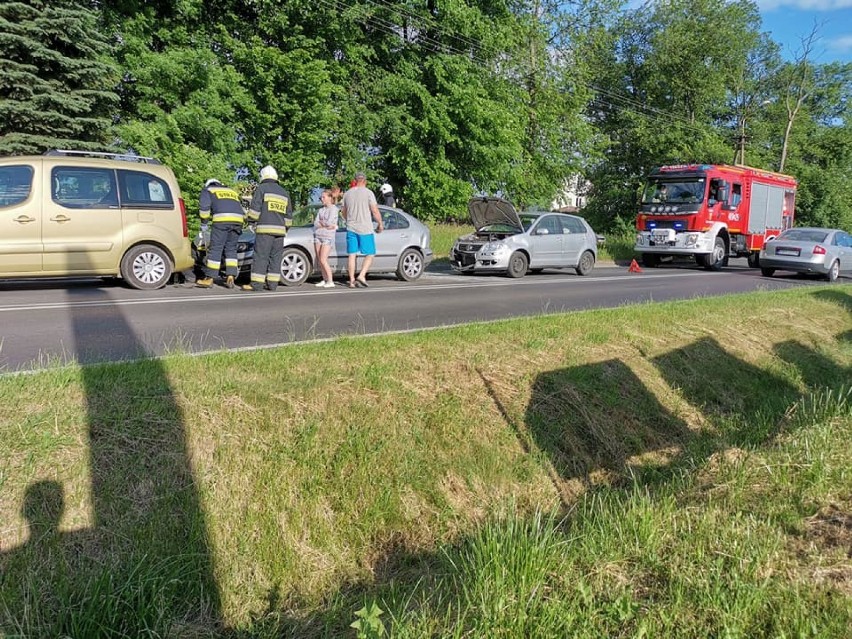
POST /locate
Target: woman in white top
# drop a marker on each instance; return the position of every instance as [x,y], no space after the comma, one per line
[325,227]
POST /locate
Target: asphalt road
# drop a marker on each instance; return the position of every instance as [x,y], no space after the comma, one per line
[50,322]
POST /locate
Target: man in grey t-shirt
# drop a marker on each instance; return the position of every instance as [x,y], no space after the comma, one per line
[359,203]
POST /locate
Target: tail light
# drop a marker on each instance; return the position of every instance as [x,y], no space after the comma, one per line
[183,216]
[818,250]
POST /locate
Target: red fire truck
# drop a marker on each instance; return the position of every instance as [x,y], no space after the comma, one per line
[712,212]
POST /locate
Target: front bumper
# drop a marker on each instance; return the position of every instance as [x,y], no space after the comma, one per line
[668,242]
[463,261]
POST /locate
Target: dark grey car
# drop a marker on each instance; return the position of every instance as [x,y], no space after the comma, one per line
[826,252]
[513,243]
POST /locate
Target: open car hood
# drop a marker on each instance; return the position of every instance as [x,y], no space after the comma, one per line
[485,211]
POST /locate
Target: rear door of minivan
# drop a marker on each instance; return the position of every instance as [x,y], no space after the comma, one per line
[82,230]
[20,219]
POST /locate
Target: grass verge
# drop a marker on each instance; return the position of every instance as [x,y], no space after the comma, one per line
[658,470]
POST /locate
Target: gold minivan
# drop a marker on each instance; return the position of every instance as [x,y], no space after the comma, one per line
[77,213]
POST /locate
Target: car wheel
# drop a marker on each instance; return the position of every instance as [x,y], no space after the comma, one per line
[586,264]
[833,272]
[518,264]
[716,260]
[649,260]
[295,267]
[767,272]
[146,267]
[754,259]
[410,265]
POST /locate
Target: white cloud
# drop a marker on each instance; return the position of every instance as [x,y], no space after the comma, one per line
[843,43]
[805,5]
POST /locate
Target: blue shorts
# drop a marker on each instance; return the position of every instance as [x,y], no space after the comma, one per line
[363,244]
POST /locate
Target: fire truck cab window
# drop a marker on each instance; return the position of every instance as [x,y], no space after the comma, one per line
[674,191]
[736,195]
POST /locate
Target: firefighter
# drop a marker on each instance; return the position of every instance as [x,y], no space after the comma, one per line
[271,213]
[386,191]
[221,206]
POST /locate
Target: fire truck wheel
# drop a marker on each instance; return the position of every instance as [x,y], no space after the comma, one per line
[649,260]
[833,272]
[767,272]
[716,260]
[754,259]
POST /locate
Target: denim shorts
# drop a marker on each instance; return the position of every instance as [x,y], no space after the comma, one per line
[324,241]
[363,244]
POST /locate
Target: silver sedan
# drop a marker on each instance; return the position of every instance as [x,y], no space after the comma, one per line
[826,252]
[402,248]
[513,243]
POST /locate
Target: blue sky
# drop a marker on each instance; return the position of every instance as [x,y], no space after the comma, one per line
[791,20]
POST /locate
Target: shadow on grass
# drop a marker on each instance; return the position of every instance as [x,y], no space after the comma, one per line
[144,568]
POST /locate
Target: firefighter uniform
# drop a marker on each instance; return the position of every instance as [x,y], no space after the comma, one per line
[221,206]
[272,212]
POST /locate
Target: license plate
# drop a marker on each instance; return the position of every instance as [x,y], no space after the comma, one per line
[787,251]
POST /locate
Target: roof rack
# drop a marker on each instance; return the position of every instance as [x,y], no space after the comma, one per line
[127,157]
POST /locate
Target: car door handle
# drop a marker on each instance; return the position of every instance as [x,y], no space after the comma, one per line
[60,218]
[23,219]
[404,236]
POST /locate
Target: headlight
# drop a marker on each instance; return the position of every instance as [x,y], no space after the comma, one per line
[691,239]
[242,247]
[494,247]
[640,239]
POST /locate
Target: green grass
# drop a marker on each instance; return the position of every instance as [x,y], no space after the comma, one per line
[444,235]
[676,469]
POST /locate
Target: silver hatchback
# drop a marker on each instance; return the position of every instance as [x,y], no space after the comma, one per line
[826,252]
[513,243]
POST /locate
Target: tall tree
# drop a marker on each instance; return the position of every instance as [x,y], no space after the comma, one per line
[55,80]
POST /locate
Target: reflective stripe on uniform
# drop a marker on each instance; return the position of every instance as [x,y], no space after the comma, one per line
[253,215]
[258,277]
[273,277]
[227,218]
[229,262]
[204,215]
[271,229]
[213,265]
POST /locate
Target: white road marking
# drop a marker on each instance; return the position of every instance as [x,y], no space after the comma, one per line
[469,282]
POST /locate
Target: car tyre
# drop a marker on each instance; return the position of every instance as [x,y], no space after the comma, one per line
[295,267]
[410,265]
[833,271]
[767,272]
[586,263]
[146,267]
[518,264]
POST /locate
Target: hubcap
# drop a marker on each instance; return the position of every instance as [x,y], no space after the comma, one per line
[411,265]
[292,268]
[149,268]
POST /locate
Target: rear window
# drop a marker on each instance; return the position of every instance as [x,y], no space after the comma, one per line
[15,184]
[139,188]
[802,235]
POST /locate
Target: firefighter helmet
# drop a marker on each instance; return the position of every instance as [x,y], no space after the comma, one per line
[211,182]
[385,188]
[268,173]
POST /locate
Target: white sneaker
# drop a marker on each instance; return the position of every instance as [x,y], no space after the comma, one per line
[329,284]
[320,284]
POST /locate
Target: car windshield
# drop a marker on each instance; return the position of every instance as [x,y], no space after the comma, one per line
[803,235]
[674,191]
